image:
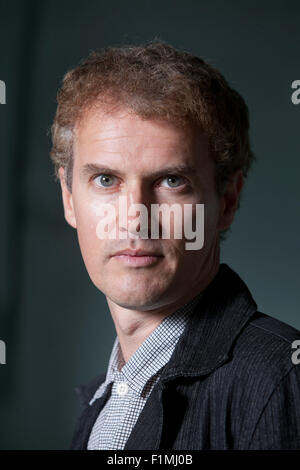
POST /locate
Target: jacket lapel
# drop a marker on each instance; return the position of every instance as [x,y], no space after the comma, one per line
[146,434]
[89,413]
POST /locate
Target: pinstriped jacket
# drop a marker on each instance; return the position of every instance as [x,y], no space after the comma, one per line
[231,382]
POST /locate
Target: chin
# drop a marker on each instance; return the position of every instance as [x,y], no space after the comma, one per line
[135,301]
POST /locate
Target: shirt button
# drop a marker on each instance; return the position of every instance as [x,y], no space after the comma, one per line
[122,388]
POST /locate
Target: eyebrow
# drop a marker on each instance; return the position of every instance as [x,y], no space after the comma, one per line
[90,169]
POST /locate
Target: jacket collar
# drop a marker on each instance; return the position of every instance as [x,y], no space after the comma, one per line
[221,313]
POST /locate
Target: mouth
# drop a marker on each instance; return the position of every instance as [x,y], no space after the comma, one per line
[137,258]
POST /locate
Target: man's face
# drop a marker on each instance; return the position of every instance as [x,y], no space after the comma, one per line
[139,157]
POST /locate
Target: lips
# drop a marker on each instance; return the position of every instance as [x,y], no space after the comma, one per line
[129,252]
[137,258]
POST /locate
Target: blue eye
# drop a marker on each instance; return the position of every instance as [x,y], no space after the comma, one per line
[103,180]
[170,179]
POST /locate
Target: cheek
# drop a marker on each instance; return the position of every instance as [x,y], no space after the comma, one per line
[87,221]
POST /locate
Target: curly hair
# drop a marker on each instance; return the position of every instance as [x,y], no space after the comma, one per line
[156,80]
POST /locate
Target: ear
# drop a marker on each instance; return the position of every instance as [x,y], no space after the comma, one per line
[230,199]
[67,199]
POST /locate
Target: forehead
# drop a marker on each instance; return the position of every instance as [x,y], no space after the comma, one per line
[124,136]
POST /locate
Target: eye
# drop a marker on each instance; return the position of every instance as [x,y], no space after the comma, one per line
[173,180]
[104,180]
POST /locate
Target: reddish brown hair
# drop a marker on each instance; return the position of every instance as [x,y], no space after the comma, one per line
[156,81]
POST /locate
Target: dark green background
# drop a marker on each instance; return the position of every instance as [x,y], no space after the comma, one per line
[56,324]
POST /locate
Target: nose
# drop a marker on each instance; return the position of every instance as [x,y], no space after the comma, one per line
[136,210]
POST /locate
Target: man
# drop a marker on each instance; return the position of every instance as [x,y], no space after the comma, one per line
[194,365]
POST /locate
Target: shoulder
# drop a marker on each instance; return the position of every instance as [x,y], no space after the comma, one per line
[261,384]
[269,340]
[266,346]
[274,328]
[265,356]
